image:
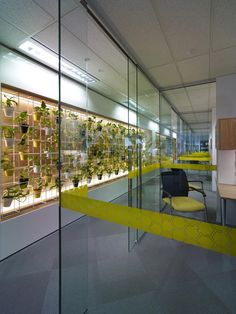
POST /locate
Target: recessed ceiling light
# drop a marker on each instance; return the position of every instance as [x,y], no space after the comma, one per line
[50,58]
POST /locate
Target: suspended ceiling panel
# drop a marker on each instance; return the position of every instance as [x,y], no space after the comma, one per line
[51,6]
[224,24]
[223,62]
[25,15]
[185,24]
[194,69]
[10,35]
[166,75]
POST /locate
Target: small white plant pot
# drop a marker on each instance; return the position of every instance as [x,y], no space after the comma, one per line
[67,175]
[36,169]
[8,111]
[9,142]
[48,154]
[7,201]
[48,131]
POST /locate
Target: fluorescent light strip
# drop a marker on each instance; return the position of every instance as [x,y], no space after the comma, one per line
[51,59]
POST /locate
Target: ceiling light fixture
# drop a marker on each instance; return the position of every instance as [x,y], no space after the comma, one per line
[132,104]
[50,58]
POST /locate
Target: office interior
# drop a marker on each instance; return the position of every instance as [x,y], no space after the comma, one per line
[125,103]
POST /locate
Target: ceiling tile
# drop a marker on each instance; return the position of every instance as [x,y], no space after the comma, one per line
[25,15]
[194,69]
[10,35]
[51,6]
[199,96]
[186,24]
[77,23]
[166,75]
[203,117]
[136,25]
[223,62]
[49,37]
[189,117]
[224,24]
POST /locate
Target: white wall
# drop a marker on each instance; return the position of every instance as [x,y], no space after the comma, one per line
[226,108]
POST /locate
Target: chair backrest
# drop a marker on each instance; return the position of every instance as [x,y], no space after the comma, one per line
[175,183]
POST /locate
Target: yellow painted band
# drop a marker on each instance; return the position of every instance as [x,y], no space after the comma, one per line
[146,169]
[209,236]
[203,167]
[168,165]
[194,158]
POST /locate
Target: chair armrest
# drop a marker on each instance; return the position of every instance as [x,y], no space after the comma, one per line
[196,181]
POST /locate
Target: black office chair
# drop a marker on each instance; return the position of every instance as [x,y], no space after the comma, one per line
[175,191]
[191,184]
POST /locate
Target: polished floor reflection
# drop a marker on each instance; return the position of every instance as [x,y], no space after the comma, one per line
[158,276]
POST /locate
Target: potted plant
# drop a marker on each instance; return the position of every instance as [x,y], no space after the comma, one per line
[37,187]
[100,171]
[11,193]
[56,114]
[40,111]
[99,125]
[8,196]
[48,126]
[82,129]
[48,151]
[48,174]
[23,152]
[57,184]
[124,166]
[90,123]
[116,169]
[9,106]
[89,172]
[109,170]
[35,137]
[8,133]
[67,172]
[22,120]
[36,166]
[76,179]
[24,179]
[7,166]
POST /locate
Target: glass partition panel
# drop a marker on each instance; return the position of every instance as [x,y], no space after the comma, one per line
[76,129]
[28,148]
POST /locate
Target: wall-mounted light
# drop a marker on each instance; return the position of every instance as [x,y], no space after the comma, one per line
[48,57]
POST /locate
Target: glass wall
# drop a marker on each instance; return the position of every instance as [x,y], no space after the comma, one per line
[92,122]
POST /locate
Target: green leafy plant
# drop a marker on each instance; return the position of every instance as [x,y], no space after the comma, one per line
[12,192]
[41,111]
[24,178]
[37,187]
[76,179]
[22,120]
[8,131]
[73,116]
[9,106]
[7,166]
[10,102]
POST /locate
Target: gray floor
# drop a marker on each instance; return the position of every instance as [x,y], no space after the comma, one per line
[159,276]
